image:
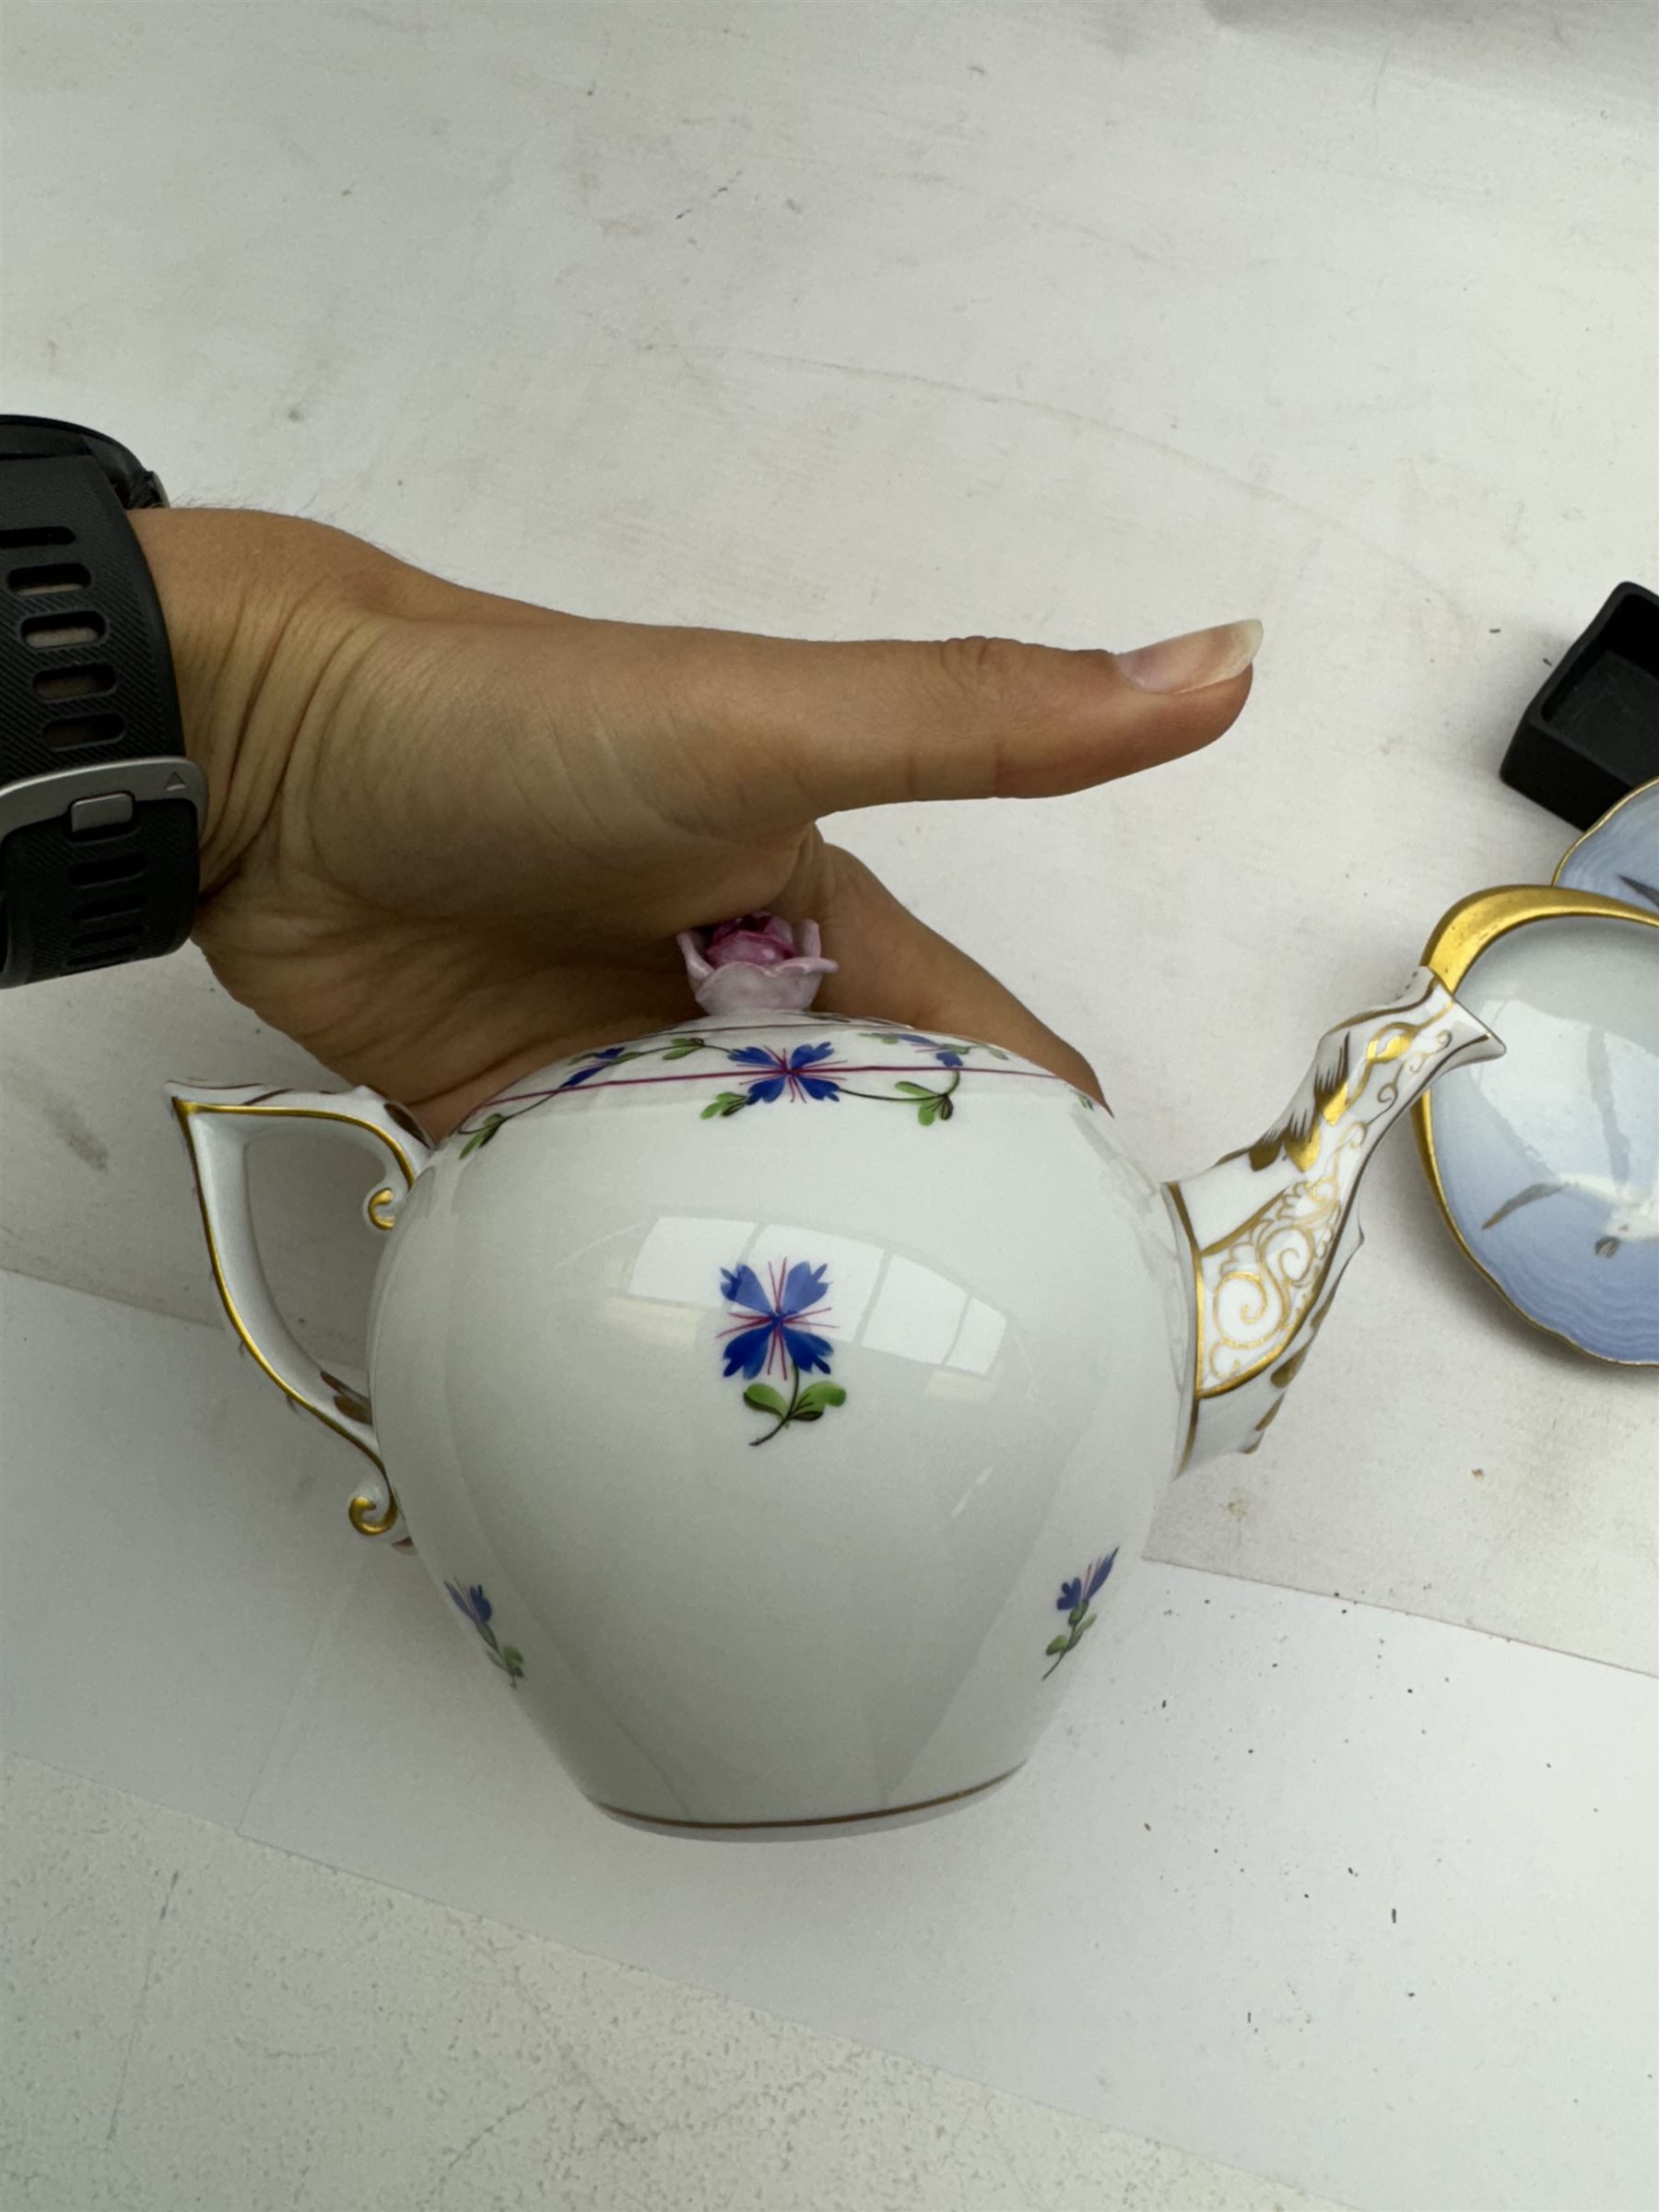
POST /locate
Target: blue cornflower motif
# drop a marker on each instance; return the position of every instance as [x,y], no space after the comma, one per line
[948,1055]
[1082,1587]
[599,1062]
[786,1074]
[769,1322]
[477,1609]
[475,1605]
[1078,1593]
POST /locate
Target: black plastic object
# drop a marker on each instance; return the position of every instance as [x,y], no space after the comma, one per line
[1591,733]
[85,684]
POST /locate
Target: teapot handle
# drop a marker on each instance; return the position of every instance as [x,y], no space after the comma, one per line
[218,1126]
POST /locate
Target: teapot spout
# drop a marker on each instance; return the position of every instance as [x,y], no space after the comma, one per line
[1273,1227]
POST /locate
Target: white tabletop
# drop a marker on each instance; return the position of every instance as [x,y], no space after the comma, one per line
[1080,324]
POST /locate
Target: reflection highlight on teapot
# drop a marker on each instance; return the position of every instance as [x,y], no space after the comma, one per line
[884,1300]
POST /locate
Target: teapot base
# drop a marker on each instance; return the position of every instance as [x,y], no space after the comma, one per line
[816,1827]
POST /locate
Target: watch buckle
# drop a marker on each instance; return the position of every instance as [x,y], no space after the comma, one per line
[102,795]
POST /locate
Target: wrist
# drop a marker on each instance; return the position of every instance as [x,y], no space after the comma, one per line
[258,609]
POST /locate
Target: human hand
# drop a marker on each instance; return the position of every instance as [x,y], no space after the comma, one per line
[451,836]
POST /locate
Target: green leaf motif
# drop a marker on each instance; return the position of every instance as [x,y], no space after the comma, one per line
[1088,1621]
[929,1114]
[728,1103]
[820,1395]
[683,1047]
[483,1136]
[945,1110]
[816,1414]
[1061,1644]
[764,1398]
[916,1091]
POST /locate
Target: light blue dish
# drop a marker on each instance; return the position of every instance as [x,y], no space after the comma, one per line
[1549,1159]
[1620,857]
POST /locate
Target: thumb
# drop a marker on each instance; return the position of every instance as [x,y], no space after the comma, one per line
[843,725]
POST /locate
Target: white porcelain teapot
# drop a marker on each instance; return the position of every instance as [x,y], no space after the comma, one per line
[775,1396]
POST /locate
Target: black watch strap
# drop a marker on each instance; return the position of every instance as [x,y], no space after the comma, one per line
[99,810]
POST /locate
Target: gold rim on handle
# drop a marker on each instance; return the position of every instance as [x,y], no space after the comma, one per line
[368,1515]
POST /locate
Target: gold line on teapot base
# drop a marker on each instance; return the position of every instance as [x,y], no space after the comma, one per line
[884,1812]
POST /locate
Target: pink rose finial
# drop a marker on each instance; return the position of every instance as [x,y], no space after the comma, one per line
[756,963]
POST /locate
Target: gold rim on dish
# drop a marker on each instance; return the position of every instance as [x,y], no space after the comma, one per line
[1468,929]
[1600,823]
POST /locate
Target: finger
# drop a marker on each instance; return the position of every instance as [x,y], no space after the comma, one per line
[891,966]
[817,728]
